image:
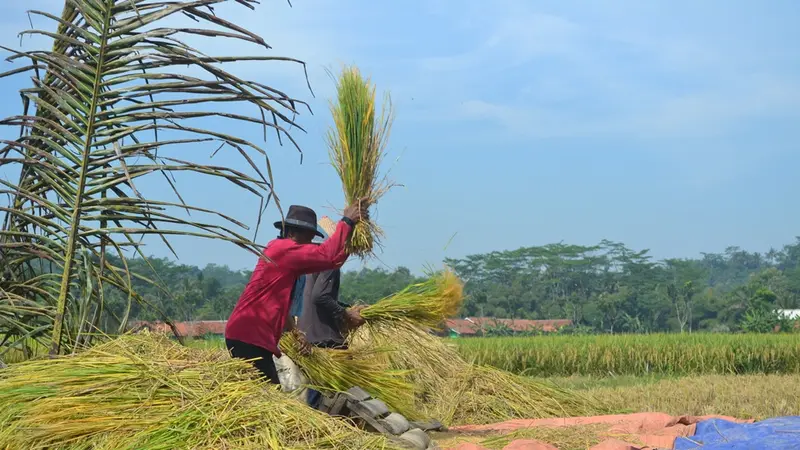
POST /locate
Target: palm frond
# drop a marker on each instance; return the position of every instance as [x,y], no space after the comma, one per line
[113,103]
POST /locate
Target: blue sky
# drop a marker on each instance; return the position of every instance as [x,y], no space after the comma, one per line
[669,125]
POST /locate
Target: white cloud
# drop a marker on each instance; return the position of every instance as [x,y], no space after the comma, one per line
[513,40]
[709,113]
[608,72]
[535,69]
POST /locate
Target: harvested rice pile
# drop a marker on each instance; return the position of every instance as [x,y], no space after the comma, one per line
[332,370]
[417,374]
[446,387]
[454,391]
[145,392]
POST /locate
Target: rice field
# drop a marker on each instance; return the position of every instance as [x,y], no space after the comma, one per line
[633,355]
[660,354]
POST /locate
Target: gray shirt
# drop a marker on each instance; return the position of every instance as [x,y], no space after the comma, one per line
[322,316]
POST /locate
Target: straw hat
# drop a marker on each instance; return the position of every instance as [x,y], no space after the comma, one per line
[326,225]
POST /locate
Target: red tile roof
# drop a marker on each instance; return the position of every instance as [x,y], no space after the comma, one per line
[472,325]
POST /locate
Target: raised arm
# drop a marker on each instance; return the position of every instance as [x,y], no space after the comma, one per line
[312,258]
[331,254]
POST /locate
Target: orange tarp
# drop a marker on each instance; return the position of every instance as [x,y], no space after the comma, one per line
[654,430]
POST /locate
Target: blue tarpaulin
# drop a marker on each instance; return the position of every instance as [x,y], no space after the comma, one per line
[779,433]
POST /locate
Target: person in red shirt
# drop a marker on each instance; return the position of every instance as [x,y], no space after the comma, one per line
[259,318]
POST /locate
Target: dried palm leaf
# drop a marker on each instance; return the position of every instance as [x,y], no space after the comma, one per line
[121,97]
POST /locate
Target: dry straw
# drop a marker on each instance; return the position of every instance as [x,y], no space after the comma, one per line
[452,390]
[395,354]
[143,392]
[357,144]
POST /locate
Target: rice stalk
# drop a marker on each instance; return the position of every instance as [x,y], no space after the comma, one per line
[143,392]
[425,304]
[357,144]
[337,370]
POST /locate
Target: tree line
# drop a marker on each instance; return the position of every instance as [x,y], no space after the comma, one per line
[609,287]
[606,287]
[185,292]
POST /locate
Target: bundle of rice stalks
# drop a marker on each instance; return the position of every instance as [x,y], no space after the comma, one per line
[337,370]
[357,143]
[456,392]
[425,304]
[143,392]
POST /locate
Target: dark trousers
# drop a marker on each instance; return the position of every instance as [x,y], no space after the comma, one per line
[265,364]
[314,398]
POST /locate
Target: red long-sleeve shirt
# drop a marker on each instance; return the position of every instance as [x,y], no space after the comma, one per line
[259,316]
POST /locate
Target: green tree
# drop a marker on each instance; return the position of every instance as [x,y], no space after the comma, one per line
[761,315]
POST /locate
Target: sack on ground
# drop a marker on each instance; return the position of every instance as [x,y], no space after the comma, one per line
[290,376]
